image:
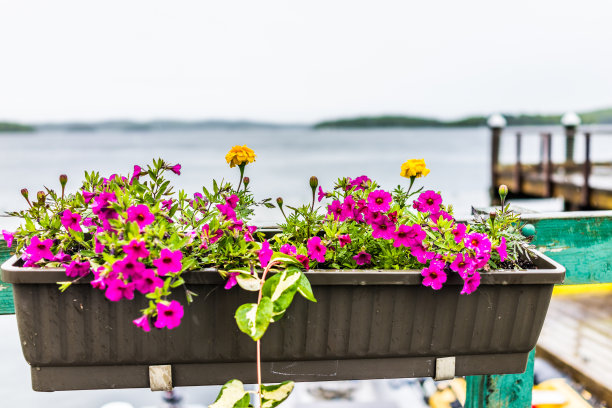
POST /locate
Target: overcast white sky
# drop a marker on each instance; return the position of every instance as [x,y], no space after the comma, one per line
[293,61]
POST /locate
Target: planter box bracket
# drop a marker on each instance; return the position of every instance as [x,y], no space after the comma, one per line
[445,368]
[160,377]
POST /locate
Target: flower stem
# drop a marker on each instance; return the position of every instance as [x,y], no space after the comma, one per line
[241,167]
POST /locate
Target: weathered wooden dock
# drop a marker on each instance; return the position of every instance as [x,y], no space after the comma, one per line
[585,185]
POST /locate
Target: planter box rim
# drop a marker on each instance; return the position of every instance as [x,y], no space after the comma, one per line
[548,272]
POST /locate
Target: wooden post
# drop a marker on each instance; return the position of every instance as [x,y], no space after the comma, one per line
[495,142]
[586,172]
[517,166]
[547,163]
[570,136]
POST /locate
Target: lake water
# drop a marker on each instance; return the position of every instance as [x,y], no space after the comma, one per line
[286,158]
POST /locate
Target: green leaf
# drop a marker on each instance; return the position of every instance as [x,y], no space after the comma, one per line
[248,282]
[305,289]
[254,320]
[64,285]
[232,395]
[273,395]
[281,289]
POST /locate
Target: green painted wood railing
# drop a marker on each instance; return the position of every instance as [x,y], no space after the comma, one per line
[580,241]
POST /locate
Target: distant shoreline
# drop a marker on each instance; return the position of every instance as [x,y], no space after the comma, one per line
[601,116]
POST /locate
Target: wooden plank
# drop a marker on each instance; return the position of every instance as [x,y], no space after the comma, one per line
[6,290]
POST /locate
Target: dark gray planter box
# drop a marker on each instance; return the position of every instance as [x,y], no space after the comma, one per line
[365,325]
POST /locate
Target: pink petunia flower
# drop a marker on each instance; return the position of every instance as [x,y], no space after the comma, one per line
[168,261]
[348,207]
[316,250]
[265,254]
[88,222]
[421,254]
[501,249]
[403,236]
[129,267]
[288,249]
[478,242]
[176,169]
[304,260]
[141,215]
[232,201]
[61,257]
[470,283]
[321,194]
[379,201]
[463,265]
[8,237]
[169,315]
[136,249]
[459,232]
[441,214]
[143,323]
[248,235]
[117,289]
[344,240]
[147,282]
[98,247]
[231,280]
[383,228]
[87,196]
[227,211]
[360,183]
[166,204]
[77,269]
[38,250]
[71,221]
[335,209]
[362,258]
[428,201]
[434,275]
[137,173]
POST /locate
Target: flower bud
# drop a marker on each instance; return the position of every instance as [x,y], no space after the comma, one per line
[314,182]
[40,196]
[279,201]
[246,181]
[25,193]
[63,179]
[503,191]
[492,215]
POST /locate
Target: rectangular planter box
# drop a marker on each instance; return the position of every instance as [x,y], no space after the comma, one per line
[365,325]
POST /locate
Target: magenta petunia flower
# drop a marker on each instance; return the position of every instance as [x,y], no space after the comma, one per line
[100,281]
[167,204]
[403,236]
[232,201]
[321,194]
[288,249]
[344,240]
[98,247]
[77,269]
[143,323]
[265,254]
[38,250]
[335,209]
[501,249]
[316,250]
[428,201]
[141,215]
[227,211]
[470,283]
[362,258]
[231,280]
[379,201]
[304,260]
[421,254]
[348,207]
[169,314]
[136,249]
[87,196]
[443,215]
[478,242]
[117,289]
[88,222]
[147,282]
[129,267]
[360,183]
[168,261]
[8,237]
[137,173]
[383,228]
[176,169]
[248,235]
[463,265]
[71,221]
[434,275]
[61,257]
[459,232]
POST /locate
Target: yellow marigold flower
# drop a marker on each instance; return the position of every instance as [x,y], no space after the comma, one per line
[239,155]
[414,168]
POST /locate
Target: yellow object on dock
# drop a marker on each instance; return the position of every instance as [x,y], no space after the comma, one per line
[557,393]
[580,289]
